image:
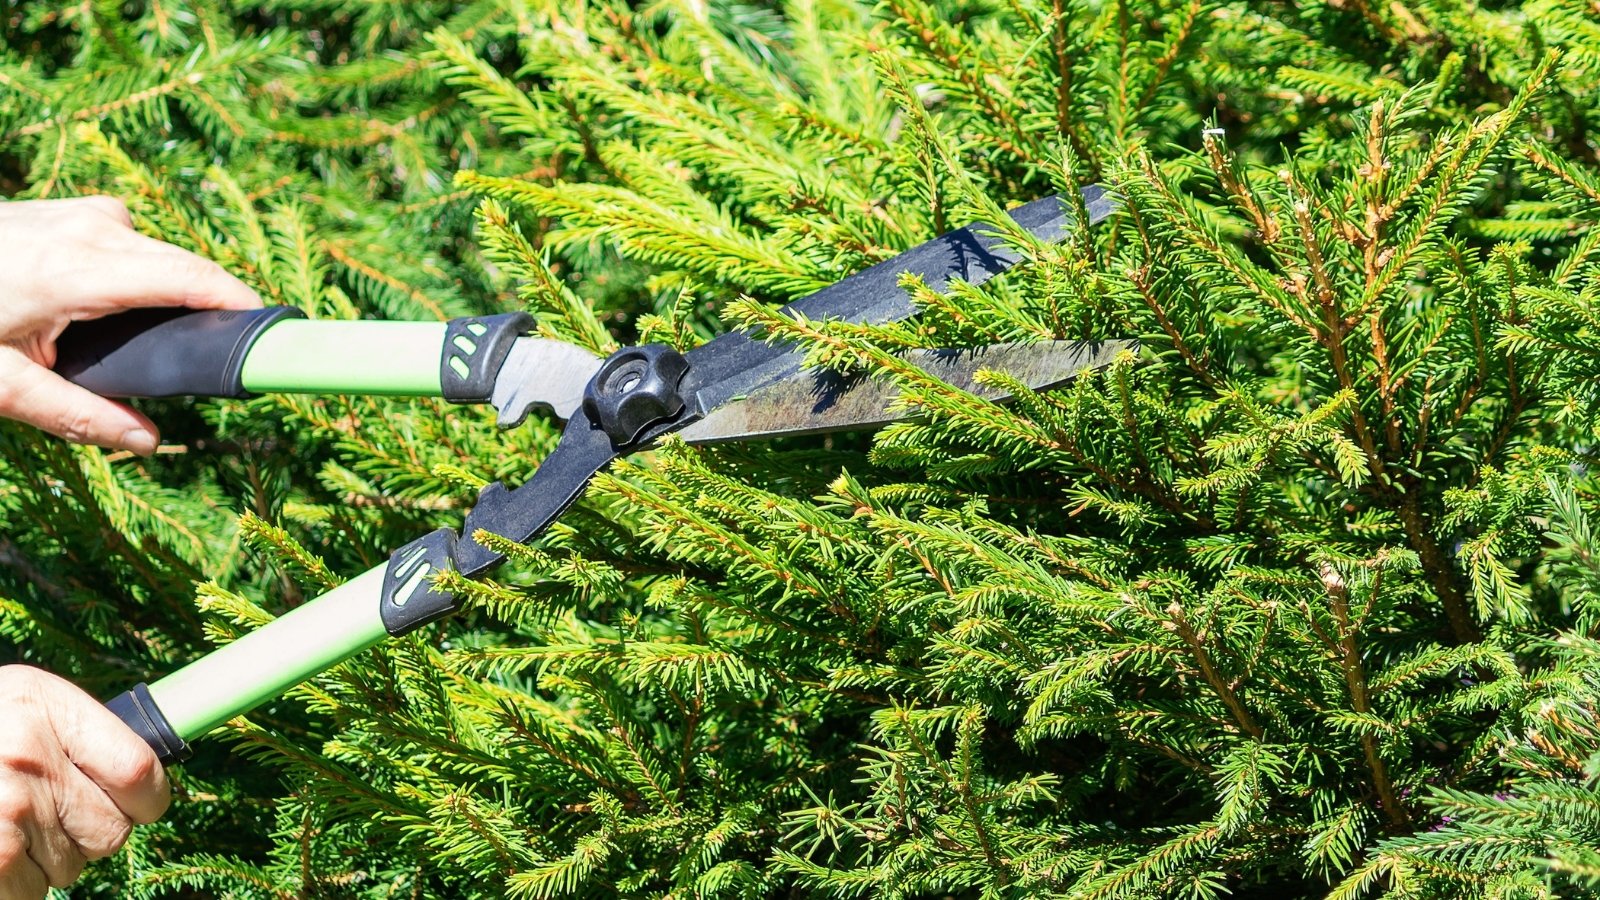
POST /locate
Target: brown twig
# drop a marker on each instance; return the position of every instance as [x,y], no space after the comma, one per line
[1356,680]
[1208,671]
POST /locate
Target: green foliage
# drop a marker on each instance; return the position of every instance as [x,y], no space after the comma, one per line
[1297,602]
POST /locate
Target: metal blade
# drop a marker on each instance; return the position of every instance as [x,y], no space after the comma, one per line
[737,363]
[539,372]
[827,401]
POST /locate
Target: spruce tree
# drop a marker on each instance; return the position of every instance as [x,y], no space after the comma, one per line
[1300,601]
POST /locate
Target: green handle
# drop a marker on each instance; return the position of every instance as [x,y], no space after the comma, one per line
[257,667]
[240,676]
[232,353]
[342,357]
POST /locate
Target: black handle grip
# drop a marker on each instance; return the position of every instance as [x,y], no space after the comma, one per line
[165,352]
[138,710]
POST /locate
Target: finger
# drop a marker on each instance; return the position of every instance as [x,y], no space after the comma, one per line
[107,751]
[51,849]
[20,877]
[33,210]
[110,207]
[33,394]
[95,825]
[161,276]
[139,242]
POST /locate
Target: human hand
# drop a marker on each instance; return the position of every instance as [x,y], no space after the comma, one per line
[63,261]
[73,782]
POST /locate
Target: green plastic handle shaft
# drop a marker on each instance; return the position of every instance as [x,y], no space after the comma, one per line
[261,665]
[347,357]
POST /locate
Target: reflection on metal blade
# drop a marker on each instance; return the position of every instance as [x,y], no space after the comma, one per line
[740,362]
[539,372]
[818,402]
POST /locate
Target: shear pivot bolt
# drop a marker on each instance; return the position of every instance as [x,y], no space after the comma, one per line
[635,388]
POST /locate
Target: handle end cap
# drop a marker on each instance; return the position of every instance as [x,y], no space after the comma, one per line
[138,710]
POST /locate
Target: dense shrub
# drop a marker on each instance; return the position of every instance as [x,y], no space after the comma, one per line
[1300,602]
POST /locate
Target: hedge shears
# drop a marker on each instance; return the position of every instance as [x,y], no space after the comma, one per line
[737,386]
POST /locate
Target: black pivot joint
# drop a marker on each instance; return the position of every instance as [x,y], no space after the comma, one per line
[635,388]
[474,350]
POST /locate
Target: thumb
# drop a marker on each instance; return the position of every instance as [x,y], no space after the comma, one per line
[33,394]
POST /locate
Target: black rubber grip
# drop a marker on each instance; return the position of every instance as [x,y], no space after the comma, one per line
[410,599]
[138,710]
[165,352]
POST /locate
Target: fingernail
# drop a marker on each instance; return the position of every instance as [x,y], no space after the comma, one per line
[139,440]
